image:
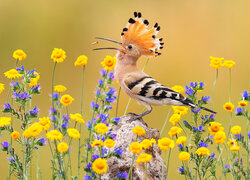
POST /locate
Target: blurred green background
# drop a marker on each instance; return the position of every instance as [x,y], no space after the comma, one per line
[192,31]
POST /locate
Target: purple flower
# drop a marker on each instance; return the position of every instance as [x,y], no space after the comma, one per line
[14,85]
[227,166]
[94,105]
[87,177]
[212,116]
[24,95]
[41,142]
[11,159]
[110,99]
[196,110]
[100,82]
[95,156]
[36,88]
[111,92]
[89,124]
[88,166]
[118,151]
[35,111]
[104,151]
[202,144]
[237,159]
[189,91]
[238,111]
[31,72]
[7,107]
[248,135]
[98,92]
[103,72]
[212,156]
[52,110]
[111,75]
[66,117]
[5,144]
[205,98]
[180,146]
[65,125]
[245,94]
[55,96]
[116,120]
[20,69]
[237,136]
[107,107]
[202,84]
[181,169]
[124,175]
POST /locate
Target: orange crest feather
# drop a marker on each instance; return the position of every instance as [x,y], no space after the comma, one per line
[137,33]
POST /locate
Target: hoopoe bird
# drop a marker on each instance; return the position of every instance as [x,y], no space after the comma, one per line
[138,40]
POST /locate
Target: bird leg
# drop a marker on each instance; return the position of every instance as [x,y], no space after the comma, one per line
[142,114]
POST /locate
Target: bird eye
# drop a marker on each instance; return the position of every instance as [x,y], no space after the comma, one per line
[129,47]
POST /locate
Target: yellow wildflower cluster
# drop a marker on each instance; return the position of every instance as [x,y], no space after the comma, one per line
[58,55]
[62,147]
[220,137]
[174,131]
[236,130]
[181,110]
[100,166]
[81,61]
[15,135]
[76,117]
[19,55]
[166,143]
[98,143]
[146,143]
[143,158]
[109,63]
[45,122]
[184,156]
[5,121]
[34,130]
[178,89]
[135,147]
[60,88]
[1,87]
[54,135]
[181,140]
[217,63]
[66,100]
[242,103]
[74,133]
[228,106]
[139,131]
[203,151]
[175,118]
[233,145]
[101,128]
[215,127]
[12,74]
[33,81]
[109,143]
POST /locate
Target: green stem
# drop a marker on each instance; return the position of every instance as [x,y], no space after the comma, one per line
[230,125]
[145,171]
[215,81]
[80,127]
[230,84]
[52,89]
[117,102]
[182,128]
[131,167]
[166,120]
[39,172]
[168,160]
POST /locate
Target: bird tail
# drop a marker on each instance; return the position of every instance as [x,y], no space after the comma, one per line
[190,103]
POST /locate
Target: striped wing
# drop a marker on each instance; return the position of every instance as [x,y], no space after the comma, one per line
[149,90]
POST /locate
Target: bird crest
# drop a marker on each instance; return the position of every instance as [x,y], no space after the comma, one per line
[139,34]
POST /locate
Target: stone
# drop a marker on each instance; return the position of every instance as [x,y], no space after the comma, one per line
[123,139]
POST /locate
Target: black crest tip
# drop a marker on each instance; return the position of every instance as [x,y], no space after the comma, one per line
[135,14]
[156,25]
[146,22]
[139,15]
[158,28]
[132,21]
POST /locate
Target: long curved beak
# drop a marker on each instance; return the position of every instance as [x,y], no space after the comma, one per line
[112,48]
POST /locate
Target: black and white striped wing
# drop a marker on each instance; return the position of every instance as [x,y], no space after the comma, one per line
[150,91]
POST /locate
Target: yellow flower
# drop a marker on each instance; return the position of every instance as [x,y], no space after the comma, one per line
[229,63]
[45,122]
[66,100]
[62,147]
[216,62]
[165,143]
[54,135]
[60,88]
[175,118]
[241,103]
[19,55]
[232,142]
[182,110]
[220,137]
[5,121]
[146,143]
[235,148]
[81,61]
[109,143]
[109,63]
[15,135]
[236,130]
[76,117]
[184,156]
[202,151]
[228,106]
[139,131]
[33,82]
[178,89]
[100,166]
[174,131]
[32,131]
[181,140]
[12,74]
[74,133]
[58,55]
[135,147]
[37,75]
[101,128]
[215,127]
[1,87]
[143,158]
[98,143]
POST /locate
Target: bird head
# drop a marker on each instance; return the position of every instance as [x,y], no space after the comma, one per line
[137,40]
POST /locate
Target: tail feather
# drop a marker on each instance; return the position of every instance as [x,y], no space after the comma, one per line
[190,103]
